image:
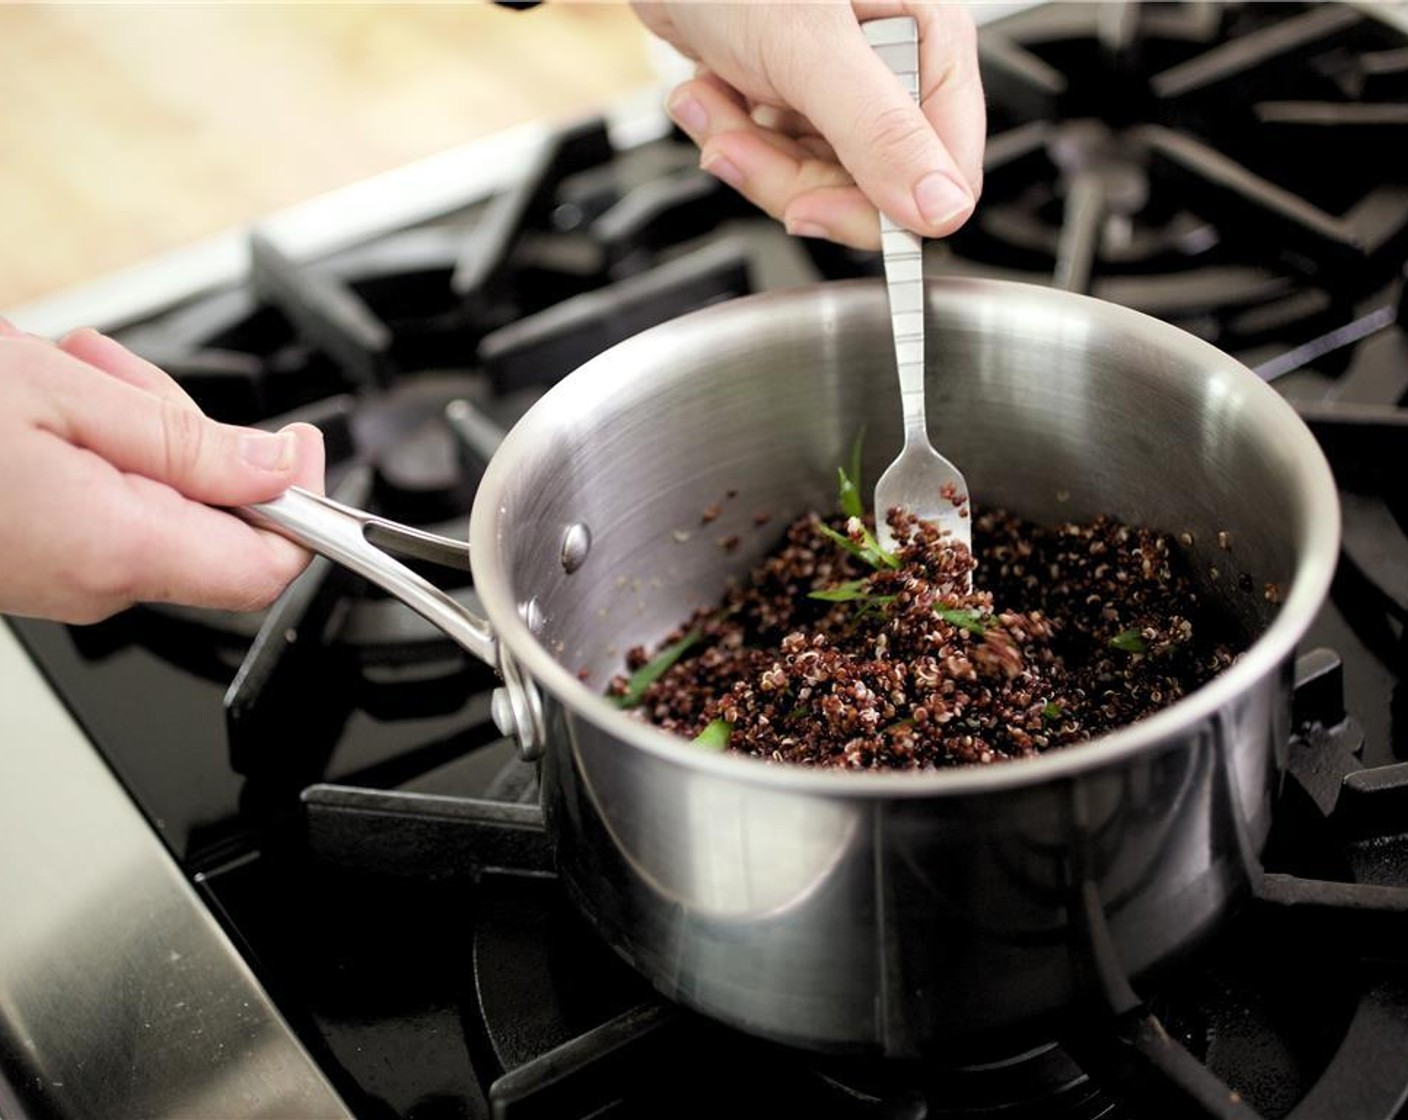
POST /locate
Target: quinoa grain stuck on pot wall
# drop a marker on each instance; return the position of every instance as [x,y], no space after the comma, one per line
[834,653]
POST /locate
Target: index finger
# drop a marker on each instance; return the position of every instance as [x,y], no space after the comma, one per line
[114,359]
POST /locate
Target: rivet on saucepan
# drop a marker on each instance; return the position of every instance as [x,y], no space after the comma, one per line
[501,708]
[576,543]
[532,615]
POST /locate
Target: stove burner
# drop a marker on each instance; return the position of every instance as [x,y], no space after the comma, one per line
[1117,164]
[413,355]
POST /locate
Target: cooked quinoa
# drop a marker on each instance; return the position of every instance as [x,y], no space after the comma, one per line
[1061,634]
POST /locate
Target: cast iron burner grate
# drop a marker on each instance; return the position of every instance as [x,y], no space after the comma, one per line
[1227,168]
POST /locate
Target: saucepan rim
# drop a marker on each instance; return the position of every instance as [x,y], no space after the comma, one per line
[1318,549]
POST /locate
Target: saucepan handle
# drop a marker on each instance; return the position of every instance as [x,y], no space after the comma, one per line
[360,541]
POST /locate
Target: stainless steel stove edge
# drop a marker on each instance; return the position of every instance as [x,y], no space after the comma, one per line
[120,995]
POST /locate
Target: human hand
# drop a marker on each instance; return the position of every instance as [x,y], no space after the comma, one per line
[106,469]
[793,108]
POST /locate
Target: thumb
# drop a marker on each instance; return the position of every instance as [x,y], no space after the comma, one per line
[161,439]
[882,137]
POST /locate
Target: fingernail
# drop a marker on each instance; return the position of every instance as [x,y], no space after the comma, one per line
[720,167]
[807,229]
[301,425]
[268,452]
[689,113]
[940,199]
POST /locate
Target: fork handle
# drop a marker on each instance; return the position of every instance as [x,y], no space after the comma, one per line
[896,42]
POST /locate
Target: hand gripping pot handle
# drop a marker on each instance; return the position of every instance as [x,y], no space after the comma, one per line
[364,543]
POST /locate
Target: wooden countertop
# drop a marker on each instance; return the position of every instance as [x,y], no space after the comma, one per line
[127,131]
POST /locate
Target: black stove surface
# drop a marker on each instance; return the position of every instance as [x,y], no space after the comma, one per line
[328,772]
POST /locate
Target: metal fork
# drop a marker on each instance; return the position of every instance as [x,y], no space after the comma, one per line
[920,479]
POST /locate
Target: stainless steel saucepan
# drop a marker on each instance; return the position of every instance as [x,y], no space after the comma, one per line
[883,913]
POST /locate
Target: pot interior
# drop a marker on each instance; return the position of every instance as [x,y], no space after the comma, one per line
[682,454]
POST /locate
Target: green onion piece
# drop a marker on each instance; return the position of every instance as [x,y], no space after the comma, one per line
[652,670]
[876,555]
[1051,710]
[852,504]
[846,592]
[1131,641]
[872,606]
[963,619]
[841,539]
[715,735]
[869,551]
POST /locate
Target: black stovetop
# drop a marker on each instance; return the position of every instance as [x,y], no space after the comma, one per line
[328,773]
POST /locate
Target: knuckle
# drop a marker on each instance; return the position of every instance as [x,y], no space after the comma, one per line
[105,568]
[899,129]
[258,590]
[263,587]
[183,435]
[23,356]
[817,173]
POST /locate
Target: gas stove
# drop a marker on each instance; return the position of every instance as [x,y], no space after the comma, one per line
[285,864]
